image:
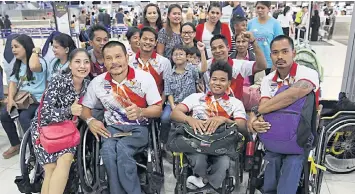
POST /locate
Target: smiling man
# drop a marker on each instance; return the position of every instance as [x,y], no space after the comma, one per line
[241,68]
[129,96]
[148,60]
[208,112]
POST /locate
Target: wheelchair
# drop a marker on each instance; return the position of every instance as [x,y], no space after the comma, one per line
[32,173]
[92,172]
[337,130]
[234,177]
[311,178]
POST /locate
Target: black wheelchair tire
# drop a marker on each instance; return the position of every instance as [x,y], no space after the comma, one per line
[329,128]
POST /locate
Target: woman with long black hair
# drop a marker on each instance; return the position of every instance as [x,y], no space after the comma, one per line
[286,21]
[63,45]
[169,36]
[205,31]
[152,17]
[28,75]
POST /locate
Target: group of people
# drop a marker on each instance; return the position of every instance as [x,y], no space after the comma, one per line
[167,73]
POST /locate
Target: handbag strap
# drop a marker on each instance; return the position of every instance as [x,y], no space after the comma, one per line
[41,106]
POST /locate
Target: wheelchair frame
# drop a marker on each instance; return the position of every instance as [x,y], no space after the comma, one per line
[328,127]
[31,181]
[99,184]
[182,169]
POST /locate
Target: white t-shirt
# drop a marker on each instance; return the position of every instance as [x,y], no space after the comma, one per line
[272,82]
[206,39]
[139,88]
[285,20]
[227,14]
[204,106]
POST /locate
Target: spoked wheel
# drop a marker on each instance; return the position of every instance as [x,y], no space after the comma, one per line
[31,177]
[86,161]
[340,147]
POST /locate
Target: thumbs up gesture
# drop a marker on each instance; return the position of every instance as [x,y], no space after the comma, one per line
[76,108]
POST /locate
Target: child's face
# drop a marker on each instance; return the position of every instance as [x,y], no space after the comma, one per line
[179,57]
[192,58]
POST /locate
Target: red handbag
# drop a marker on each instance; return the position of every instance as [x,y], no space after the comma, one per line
[57,136]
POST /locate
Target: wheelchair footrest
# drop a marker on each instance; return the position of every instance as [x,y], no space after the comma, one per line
[24,185]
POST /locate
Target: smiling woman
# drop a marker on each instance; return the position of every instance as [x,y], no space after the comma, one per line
[58,104]
[152,17]
[205,31]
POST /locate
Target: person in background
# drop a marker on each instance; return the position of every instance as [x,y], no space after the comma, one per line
[189,15]
[7,23]
[2,26]
[63,45]
[107,20]
[29,74]
[315,24]
[239,26]
[133,37]
[241,68]
[82,20]
[205,31]
[120,16]
[60,103]
[152,17]
[300,21]
[92,20]
[169,36]
[265,28]
[150,61]
[100,17]
[99,36]
[202,16]
[286,21]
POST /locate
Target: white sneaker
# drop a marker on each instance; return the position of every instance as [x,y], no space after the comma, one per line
[197,181]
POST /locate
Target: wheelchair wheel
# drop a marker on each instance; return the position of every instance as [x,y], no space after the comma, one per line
[340,145]
[86,161]
[31,177]
[256,177]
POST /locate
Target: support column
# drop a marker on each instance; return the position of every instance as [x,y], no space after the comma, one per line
[348,83]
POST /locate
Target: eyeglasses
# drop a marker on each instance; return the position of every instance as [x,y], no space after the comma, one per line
[179,55]
[188,33]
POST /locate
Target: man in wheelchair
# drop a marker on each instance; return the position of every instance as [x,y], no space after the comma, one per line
[208,112]
[283,171]
[129,97]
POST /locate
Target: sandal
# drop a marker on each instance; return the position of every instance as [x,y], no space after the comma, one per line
[12,151]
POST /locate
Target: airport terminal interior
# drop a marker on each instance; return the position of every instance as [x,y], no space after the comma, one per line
[38,19]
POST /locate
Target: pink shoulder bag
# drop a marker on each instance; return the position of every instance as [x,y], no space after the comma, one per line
[58,136]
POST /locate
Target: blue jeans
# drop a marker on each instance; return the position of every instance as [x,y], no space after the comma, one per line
[25,117]
[282,173]
[165,123]
[117,155]
[217,172]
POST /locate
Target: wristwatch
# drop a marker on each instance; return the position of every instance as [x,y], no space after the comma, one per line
[255,111]
[35,50]
[89,120]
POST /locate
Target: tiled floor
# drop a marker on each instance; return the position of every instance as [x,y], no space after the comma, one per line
[331,57]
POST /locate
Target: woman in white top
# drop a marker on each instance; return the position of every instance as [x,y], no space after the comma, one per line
[286,21]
